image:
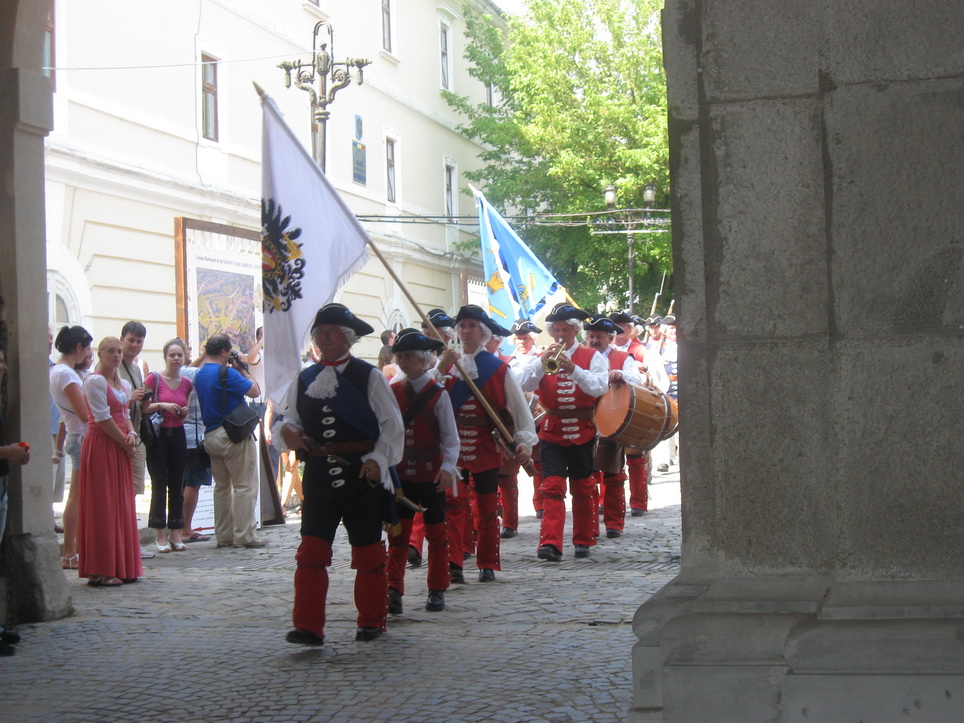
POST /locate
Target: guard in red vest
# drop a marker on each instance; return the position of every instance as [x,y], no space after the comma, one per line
[610,460]
[342,418]
[481,455]
[578,376]
[427,468]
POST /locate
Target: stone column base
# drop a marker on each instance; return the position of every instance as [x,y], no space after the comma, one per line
[33,586]
[800,650]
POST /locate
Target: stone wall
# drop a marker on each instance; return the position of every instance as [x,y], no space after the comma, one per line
[817,161]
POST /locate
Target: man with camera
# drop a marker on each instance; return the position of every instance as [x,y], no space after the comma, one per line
[222,383]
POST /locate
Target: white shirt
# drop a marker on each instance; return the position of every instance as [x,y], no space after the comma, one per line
[391,433]
[525,430]
[594,381]
[61,377]
[519,360]
[446,424]
[95,388]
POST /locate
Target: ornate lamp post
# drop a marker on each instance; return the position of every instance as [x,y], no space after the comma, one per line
[630,221]
[332,76]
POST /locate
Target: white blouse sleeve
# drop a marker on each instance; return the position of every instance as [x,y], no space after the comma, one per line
[95,389]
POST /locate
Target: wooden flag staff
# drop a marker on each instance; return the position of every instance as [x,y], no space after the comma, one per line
[496,420]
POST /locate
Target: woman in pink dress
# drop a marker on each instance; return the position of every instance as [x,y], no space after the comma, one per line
[170,393]
[107,536]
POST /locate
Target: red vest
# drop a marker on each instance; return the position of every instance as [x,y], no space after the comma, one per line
[423,449]
[479,451]
[617,359]
[560,392]
[637,349]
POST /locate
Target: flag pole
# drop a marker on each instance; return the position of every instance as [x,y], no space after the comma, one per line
[476,392]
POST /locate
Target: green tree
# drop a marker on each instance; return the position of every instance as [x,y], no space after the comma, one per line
[580,104]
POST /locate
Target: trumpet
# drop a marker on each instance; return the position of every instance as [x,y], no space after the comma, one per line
[550,365]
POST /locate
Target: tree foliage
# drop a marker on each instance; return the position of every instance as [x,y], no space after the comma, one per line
[580,104]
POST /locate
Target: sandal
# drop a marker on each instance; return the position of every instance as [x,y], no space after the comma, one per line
[178,546]
[70,563]
[163,548]
[100,581]
[197,537]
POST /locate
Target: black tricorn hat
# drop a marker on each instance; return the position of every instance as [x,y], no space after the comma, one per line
[622,317]
[472,311]
[669,320]
[654,321]
[602,323]
[439,319]
[340,315]
[524,326]
[565,311]
[414,340]
[498,329]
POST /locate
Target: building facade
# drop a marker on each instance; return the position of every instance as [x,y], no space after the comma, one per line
[156,118]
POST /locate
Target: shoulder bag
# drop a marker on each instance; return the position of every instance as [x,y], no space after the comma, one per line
[242,420]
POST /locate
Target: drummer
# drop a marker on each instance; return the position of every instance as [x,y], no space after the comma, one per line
[623,368]
[640,463]
[567,430]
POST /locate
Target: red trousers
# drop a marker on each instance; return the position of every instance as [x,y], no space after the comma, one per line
[418,533]
[311,584]
[614,501]
[554,512]
[509,500]
[538,499]
[438,569]
[638,481]
[459,524]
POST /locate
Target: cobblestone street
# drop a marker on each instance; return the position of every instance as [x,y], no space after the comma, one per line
[201,638]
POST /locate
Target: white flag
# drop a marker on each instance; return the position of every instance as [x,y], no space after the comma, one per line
[311,245]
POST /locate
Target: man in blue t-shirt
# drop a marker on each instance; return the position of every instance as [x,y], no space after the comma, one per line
[233,464]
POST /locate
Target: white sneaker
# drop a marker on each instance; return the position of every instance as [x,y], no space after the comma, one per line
[146,554]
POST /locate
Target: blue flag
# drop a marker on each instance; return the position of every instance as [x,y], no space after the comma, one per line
[511,269]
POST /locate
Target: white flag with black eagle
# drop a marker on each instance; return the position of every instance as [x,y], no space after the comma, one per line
[311,245]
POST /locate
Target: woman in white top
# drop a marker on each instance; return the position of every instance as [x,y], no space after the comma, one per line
[73,343]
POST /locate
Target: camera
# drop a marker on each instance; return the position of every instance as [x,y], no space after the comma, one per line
[148,395]
[235,361]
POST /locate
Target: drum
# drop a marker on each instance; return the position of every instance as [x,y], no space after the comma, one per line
[636,416]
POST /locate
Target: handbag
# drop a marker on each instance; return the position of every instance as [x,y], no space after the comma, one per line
[148,433]
[242,420]
[201,455]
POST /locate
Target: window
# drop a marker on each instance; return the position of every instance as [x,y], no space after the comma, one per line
[445,55]
[450,184]
[390,170]
[387,25]
[209,97]
[49,47]
[489,95]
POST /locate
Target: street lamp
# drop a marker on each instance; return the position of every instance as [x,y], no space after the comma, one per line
[332,76]
[630,221]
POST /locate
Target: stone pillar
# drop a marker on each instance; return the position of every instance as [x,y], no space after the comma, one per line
[818,169]
[32,585]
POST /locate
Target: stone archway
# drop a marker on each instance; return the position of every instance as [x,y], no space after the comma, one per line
[33,584]
[818,168]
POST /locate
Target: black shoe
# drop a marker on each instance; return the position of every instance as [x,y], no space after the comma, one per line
[9,636]
[414,559]
[436,601]
[455,576]
[303,637]
[538,514]
[486,575]
[508,532]
[394,601]
[582,551]
[613,534]
[548,552]
[7,649]
[367,634]
[638,513]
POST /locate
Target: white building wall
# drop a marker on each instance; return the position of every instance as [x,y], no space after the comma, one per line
[126,156]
